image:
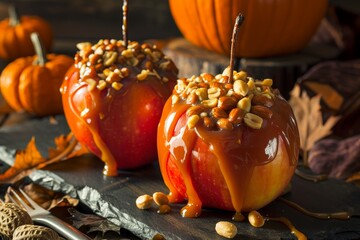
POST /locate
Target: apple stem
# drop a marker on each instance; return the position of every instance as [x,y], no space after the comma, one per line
[238,22]
[124,26]
[39,49]
[13,16]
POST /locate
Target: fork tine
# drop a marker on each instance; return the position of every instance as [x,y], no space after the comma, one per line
[17,199]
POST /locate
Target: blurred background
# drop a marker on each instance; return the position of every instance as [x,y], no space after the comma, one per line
[73,21]
[89,20]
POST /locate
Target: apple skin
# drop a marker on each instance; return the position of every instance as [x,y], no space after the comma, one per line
[128,130]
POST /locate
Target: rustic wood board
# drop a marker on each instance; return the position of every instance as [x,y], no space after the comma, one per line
[114,197]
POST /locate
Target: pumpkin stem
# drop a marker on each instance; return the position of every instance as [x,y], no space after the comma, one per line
[13,16]
[238,22]
[39,49]
[124,26]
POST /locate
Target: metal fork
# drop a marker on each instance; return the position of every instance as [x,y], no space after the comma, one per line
[44,217]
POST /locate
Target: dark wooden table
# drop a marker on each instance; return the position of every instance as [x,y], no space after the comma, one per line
[114,197]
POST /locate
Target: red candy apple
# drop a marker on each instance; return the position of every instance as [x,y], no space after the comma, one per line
[113,98]
[227,141]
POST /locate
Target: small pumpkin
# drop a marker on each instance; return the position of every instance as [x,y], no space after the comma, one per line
[271,27]
[32,83]
[15,33]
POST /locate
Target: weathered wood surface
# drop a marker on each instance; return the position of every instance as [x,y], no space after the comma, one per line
[114,197]
[284,70]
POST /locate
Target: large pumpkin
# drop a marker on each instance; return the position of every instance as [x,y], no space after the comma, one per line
[32,83]
[270,28]
[15,35]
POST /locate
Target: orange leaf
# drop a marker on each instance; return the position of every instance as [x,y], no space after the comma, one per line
[25,159]
[66,147]
[30,158]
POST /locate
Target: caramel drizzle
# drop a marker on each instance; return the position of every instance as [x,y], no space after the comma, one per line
[299,235]
[243,172]
[220,143]
[91,120]
[193,208]
[336,215]
[311,177]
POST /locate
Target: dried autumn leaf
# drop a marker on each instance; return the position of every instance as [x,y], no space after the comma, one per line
[25,159]
[329,95]
[309,119]
[30,158]
[66,147]
[46,198]
[93,222]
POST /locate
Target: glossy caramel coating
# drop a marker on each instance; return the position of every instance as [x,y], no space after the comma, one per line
[227,166]
[103,92]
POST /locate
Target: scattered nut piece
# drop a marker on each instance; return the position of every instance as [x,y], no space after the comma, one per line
[267,82]
[83,45]
[28,231]
[208,122]
[218,112]
[244,104]
[225,124]
[251,84]
[11,217]
[143,75]
[160,198]
[214,92]
[256,219]
[226,229]
[158,236]
[144,201]
[91,84]
[261,111]
[101,85]
[242,75]
[240,87]
[128,53]
[253,121]
[192,121]
[210,103]
[116,85]
[194,110]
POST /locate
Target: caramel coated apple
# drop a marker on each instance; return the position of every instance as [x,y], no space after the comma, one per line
[226,143]
[113,98]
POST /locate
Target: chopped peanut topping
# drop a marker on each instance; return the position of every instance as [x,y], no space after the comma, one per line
[224,103]
[112,61]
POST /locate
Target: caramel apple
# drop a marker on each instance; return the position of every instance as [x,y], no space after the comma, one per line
[113,98]
[227,141]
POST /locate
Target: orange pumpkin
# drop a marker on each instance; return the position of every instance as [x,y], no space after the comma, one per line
[32,83]
[15,35]
[270,27]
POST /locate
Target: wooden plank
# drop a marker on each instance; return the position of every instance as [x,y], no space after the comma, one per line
[114,197]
